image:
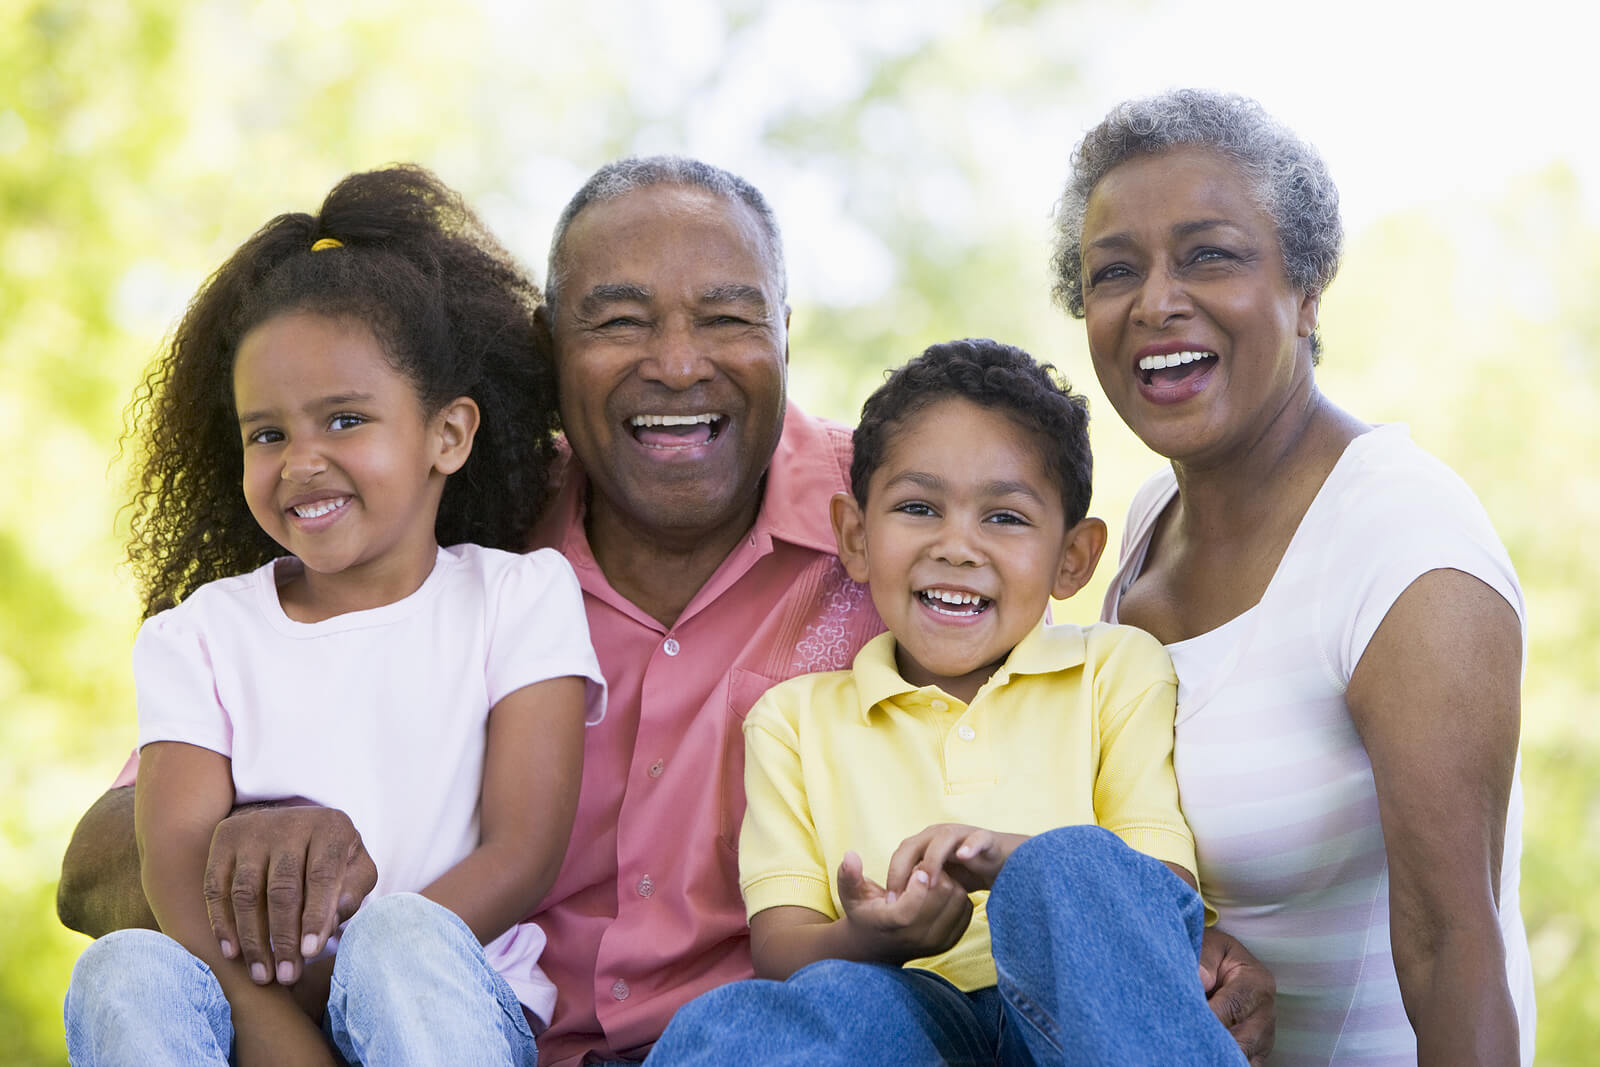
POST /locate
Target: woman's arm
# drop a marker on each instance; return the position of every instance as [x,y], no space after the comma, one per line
[533,762]
[1436,699]
[183,793]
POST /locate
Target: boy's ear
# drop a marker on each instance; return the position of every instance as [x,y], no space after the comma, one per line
[454,427]
[1080,553]
[850,534]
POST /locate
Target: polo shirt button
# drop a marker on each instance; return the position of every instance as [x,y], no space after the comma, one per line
[670,646]
[939,705]
[656,768]
[967,733]
[619,990]
[646,886]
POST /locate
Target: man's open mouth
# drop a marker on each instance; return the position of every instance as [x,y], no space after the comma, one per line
[677,431]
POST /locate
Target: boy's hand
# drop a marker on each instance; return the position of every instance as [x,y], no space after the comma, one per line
[925,917]
[971,855]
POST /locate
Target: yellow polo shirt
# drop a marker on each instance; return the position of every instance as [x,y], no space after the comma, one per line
[1075,727]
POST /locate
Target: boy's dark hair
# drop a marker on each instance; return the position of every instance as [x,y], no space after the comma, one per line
[991,375]
[450,308]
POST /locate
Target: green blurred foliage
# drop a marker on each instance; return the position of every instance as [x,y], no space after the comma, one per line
[141,142]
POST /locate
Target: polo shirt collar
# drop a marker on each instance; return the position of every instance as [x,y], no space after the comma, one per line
[1047,648]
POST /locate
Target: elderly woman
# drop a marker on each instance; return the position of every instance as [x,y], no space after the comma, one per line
[1348,631]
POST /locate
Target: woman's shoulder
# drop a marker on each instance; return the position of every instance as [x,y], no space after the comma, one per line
[1386,480]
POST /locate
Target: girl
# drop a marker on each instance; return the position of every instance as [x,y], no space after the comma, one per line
[370,377]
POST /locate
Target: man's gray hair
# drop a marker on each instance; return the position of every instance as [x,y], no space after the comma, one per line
[1287,176]
[637,172]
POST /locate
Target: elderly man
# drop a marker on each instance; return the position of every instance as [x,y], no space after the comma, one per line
[694,510]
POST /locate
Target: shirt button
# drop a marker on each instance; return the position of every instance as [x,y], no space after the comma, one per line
[966,732]
[619,990]
[939,705]
[670,646]
[656,768]
[646,886]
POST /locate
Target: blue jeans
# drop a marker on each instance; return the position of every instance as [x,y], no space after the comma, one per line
[1096,947]
[410,985]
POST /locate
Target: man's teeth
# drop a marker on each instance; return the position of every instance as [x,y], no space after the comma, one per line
[672,420]
[320,508]
[1175,359]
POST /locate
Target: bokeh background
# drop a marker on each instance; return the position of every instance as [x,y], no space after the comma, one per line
[913,152]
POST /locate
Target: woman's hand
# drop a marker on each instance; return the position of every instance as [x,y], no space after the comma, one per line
[1241,992]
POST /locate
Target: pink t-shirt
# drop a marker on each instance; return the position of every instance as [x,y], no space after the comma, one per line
[646,913]
[380,713]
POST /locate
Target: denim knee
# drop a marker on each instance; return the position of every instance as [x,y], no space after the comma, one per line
[137,994]
[401,925]
[126,965]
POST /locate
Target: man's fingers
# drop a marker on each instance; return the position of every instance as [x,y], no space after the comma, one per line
[335,884]
[246,893]
[285,902]
[217,891]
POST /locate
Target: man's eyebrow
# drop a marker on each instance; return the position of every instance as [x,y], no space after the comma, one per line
[612,293]
[735,293]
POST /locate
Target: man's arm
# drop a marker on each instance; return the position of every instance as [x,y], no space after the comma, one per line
[278,876]
[99,889]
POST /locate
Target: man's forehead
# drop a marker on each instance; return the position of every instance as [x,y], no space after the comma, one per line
[657,214]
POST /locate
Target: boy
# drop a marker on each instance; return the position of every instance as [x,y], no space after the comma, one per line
[955,738]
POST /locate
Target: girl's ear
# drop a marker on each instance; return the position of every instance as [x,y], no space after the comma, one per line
[454,427]
[1080,553]
[850,533]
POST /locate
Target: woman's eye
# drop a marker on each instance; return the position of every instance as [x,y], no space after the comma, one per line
[1109,273]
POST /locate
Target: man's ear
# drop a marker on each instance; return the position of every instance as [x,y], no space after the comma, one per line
[850,534]
[454,427]
[1080,554]
[1306,317]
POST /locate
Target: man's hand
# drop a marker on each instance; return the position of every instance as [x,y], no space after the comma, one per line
[926,918]
[971,855]
[279,881]
[1241,993]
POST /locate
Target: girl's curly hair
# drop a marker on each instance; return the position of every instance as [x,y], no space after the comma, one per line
[452,311]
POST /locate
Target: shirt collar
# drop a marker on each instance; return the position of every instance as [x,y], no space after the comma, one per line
[1047,648]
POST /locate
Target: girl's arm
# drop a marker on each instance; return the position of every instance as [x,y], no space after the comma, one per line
[533,762]
[1436,699]
[183,792]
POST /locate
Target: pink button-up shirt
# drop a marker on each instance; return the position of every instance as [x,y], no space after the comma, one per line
[646,912]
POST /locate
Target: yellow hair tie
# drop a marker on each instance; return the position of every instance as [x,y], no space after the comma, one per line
[326,243]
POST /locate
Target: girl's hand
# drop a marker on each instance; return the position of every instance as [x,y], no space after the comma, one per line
[925,917]
[970,855]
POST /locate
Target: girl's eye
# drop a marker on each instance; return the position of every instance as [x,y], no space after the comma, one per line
[345,422]
[266,436]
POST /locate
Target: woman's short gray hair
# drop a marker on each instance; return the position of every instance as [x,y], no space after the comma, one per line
[1288,178]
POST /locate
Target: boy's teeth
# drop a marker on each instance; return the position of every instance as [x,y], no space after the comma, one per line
[941,599]
[321,507]
[1174,359]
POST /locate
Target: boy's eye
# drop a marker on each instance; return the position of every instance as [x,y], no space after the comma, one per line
[1007,518]
[914,507]
[345,421]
